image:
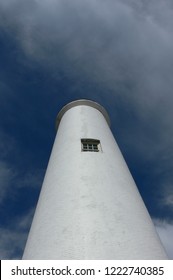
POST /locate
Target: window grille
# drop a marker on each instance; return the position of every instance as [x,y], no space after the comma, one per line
[90,145]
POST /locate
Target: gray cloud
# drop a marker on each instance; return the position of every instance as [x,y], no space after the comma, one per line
[107,41]
[165,232]
[118,44]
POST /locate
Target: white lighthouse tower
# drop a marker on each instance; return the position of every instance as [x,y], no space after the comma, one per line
[89,206]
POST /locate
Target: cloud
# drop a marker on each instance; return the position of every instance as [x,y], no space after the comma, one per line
[166,196]
[154,9]
[13,237]
[14,182]
[6,176]
[12,176]
[165,232]
[118,45]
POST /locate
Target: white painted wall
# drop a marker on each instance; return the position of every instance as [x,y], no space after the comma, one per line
[89,206]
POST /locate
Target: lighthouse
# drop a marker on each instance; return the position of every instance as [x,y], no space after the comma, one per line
[89,205]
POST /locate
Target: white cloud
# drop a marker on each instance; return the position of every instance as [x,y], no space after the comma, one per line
[13,235]
[165,232]
[11,180]
[31,178]
[11,177]
[11,242]
[13,238]
[166,196]
[7,175]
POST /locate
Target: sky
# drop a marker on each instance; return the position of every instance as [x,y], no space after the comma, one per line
[118,53]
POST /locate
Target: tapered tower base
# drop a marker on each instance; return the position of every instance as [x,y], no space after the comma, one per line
[89,206]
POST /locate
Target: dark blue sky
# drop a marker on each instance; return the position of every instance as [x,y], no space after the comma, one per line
[118,53]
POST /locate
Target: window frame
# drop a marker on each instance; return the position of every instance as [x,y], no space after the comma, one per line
[90,145]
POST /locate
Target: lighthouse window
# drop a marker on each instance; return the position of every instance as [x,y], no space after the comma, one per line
[90,145]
